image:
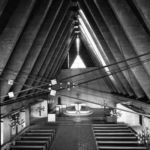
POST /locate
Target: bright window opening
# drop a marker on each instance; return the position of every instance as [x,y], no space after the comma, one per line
[2,134]
[78,63]
[92,42]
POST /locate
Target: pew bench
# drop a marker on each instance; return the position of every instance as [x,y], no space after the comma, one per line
[33,143]
[27,147]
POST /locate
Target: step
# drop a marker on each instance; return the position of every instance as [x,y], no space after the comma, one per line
[122,147]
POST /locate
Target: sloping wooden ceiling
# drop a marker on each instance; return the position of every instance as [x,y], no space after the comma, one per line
[36,36]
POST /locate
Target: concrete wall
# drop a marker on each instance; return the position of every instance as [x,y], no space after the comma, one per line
[8,131]
[129,118]
[82,95]
[96,85]
[133,120]
[36,112]
[146,123]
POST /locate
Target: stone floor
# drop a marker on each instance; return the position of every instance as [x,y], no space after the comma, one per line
[73,133]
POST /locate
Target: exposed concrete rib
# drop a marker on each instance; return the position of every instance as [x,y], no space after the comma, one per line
[12,31]
[137,36]
[39,61]
[110,44]
[23,46]
[143,7]
[56,41]
[34,51]
[113,84]
[3,3]
[58,52]
[60,36]
[133,29]
[66,48]
[49,42]
[107,79]
[122,42]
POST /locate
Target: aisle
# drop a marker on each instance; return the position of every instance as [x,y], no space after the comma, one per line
[74,137]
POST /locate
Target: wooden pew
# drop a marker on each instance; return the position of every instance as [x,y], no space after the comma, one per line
[38,134]
[33,143]
[24,147]
[42,130]
[36,138]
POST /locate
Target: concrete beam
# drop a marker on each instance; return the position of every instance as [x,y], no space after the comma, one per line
[3,4]
[60,36]
[137,36]
[23,46]
[107,79]
[12,31]
[58,52]
[63,56]
[119,79]
[122,43]
[54,35]
[143,8]
[53,18]
[60,39]
[36,48]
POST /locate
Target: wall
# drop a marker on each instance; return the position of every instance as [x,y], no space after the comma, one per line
[96,85]
[146,123]
[129,118]
[39,110]
[133,120]
[96,91]
[83,94]
[8,131]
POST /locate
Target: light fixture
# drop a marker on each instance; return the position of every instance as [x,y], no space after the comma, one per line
[49,88]
[10,82]
[54,82]
[76,27]
[52,92]
[68,83]
[11,94]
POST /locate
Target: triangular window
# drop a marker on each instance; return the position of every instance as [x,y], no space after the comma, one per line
[78,63]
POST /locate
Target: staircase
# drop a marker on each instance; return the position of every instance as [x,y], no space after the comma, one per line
[115,137]
[34,139]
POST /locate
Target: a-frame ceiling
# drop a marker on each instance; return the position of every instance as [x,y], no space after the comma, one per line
[36,36]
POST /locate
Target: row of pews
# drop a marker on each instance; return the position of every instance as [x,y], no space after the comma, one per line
[34,139]
[115,137]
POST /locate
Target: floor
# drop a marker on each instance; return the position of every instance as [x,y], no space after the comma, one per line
[74,133]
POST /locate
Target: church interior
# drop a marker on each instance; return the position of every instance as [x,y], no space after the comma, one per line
[75,74]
